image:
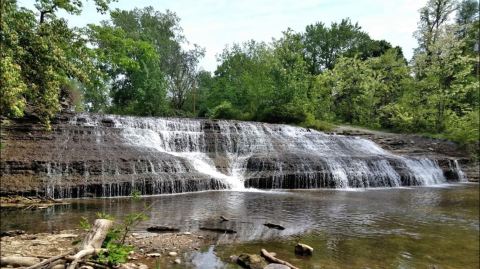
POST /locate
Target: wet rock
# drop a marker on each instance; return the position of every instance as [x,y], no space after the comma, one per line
[178,261]
[274,226]
[276,266]
[172,253]
[162,229]
[303,250]
[252,261]
[12,233]
[234,258]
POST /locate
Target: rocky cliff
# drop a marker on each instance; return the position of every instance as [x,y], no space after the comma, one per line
[105,155]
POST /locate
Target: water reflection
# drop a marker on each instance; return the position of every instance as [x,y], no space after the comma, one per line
[393,228]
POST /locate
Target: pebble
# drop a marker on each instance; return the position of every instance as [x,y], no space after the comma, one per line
[178,261]
[154,254]
[172,253]
[187,233]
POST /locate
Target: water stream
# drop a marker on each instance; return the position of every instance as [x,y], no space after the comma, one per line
[418,227]
[173,155]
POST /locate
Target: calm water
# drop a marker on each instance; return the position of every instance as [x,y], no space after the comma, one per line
[377,228]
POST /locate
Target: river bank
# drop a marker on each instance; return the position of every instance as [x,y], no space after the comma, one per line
[149,248]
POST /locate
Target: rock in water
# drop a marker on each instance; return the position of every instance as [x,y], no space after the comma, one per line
[274,226]
[162,229]
[251,261]
[303,250]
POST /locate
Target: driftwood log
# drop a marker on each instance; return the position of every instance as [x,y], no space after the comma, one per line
[18,261]
[93,241]
[269,257]
[50,260]
[92,244]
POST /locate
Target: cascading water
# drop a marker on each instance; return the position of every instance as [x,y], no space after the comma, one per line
[106,155]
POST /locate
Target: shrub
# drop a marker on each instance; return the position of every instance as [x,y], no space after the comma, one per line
[225,110]
[316,124]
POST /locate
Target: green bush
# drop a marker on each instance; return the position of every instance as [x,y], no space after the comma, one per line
[225,110]
[283,114]
[316,124]
[464,130]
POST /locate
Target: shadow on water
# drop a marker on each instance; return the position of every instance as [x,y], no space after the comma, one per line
[375,228]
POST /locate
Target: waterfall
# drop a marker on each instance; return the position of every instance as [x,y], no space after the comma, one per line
[169,155]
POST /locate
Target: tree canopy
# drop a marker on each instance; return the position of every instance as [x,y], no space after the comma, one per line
[138,62]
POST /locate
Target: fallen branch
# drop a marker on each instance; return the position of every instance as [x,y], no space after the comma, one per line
[50,260]
[71,258]
[269,257]
[18,261]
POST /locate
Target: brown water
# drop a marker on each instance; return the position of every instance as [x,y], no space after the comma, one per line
[375,228]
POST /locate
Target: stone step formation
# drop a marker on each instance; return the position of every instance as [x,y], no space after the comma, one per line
[106,155]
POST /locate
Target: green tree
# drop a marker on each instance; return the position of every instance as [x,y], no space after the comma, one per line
[45,55]
[138,85]
[324,45]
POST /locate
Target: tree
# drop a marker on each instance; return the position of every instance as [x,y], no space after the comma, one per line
[172,71]
[432,18]
[138,86]
[45,55]
[324,45]
[182,75]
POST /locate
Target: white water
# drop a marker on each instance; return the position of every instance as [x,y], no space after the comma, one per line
[223,151]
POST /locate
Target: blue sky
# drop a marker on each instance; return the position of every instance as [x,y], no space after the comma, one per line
[213,24]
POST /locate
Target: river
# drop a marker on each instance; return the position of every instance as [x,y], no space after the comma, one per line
[418,227]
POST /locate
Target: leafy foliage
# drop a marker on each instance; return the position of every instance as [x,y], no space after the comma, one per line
[114,243]
[137,63]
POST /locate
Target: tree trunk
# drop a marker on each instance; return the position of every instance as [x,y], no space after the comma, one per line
[93,241]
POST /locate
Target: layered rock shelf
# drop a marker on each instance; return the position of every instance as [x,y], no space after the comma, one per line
[86,155]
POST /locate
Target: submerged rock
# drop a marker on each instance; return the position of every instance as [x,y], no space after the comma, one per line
[252,261]
[303,250]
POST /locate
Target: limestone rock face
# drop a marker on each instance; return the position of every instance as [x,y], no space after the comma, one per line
[90,155]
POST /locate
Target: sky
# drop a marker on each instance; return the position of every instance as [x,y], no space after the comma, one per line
[214,24]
